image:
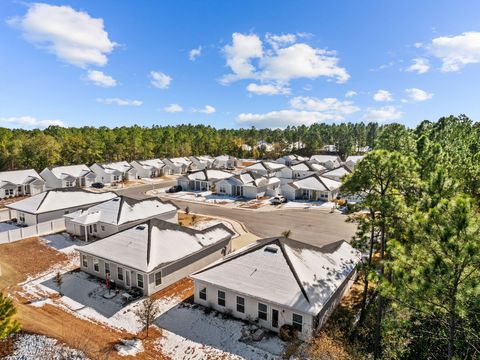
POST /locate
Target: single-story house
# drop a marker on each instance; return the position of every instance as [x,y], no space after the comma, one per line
[114,172]
[175,166]
[291,159]
[117,214]
[154,254]
[278,282]
[265,168]
[224,161]
[313,188]
[265,146]
[20,182]
[202,180]
[150,168]
[53,204]
[248,185]
[351,161]
[201,162]
[338,173]
[328,161]
[68,176]
[299,171]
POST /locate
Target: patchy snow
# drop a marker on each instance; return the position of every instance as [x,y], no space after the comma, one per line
[33,347]
[190,333]
[62,242]
[204,224]
[310,204]
[129,347]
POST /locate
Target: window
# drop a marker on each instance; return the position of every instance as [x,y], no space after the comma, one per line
[158,278]
[120,273]
[140,281]
[107,268]
[222,189]
[94,227]
[9,192]
[221,298]
[297,322]
[102,227]
[84,261]
[240,304]
[116,178]
[68,184]
[202,294]
[262,311]
[95,264]
[21,217]
[19,189]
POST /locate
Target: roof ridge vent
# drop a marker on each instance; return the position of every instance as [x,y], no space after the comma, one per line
[271,249]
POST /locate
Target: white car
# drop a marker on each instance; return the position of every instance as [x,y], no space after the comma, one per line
[277,200]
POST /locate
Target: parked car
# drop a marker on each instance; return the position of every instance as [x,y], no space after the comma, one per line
[231,168]
[174,189]
[277,200]
[97,185]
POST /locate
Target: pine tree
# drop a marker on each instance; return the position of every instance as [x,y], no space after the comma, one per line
[59,281]
[8,325]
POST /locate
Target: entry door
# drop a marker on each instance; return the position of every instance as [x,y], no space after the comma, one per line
[275,318]
[127,278]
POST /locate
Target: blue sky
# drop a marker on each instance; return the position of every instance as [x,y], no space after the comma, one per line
[260,63]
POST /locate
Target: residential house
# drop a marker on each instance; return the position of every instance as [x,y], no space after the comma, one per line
[175,166]
[68,176]
[155,254]
[312,188]
[292,159]
[201,162]
[246,147]
[114,172]
[328,161]
[117,214]
[329,148]
[265,146]
[150,168]
[224,162]
[352,161]
[20,182]
[248,185]
[202,180]
[299,171]
[279,281]
[338,173]
[265,168]
[53,204]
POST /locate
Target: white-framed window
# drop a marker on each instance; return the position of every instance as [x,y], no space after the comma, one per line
[262,311]
[69,184]
[222,189]
[120,273]
[140,281]
[221,298]
[84,261]
[116,177]
[158,278]
[297,322]
[107,268]
[240,304]
[96,265]
[9,192]
[202,294]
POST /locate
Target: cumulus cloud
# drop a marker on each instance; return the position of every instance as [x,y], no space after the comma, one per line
[350,93]
[281,61]
[267,89]
[173,108]
[418,95]
[30,122]
[386,113]
[331,106]
[194,53]
[419,65]
[160,80]
[208,109]
[73,36]
[99,78]
[456,51]
[382,95]
[120,102]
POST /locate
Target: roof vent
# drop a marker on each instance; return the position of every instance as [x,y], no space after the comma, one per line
[140,227]
[271,249]
[115,199]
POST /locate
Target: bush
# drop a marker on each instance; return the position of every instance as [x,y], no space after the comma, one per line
[288,333]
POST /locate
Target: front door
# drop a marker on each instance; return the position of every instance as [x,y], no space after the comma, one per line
[275,318]
[127,278]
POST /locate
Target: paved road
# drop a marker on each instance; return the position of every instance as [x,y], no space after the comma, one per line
[311,226]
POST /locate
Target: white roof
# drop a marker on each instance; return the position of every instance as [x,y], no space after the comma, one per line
[324,158]
[75,171]
[265,165]
[121,210]
[286,272]
[354,158]
[180,160]
[151,163]
[18,177]
[315,182]
[303,166]
[155,244]
[121,166]
[224,158]
[59,199]
[209,174]
[338,172]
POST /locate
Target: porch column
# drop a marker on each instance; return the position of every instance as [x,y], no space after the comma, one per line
[86,233]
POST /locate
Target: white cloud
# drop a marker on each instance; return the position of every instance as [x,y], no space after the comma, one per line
[99,78]
[331,106]
[418,95]
[456,51]
[386,113]
[350,93]
[281,62]
[120,102]
[382,95]
[267,89]
[30,122]
[208,109]
[419,65]
[194,53]
[283,118]
[173,108]
[160,80]
[418,45]
[73,36]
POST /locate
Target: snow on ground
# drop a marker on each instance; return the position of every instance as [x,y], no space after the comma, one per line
[203,224]
[129,347]
[62,242]
[309,204]
[36,347]
[190,333]
[6,227]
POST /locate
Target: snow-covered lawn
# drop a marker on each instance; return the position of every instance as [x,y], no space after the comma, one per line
[62,242]
[129,347]
[190,333]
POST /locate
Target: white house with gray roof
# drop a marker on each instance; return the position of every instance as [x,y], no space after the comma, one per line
[202,180]
[175,166]
[224,161]
[351,161]
[117,214]
[20,183]
[114,172]
[68,176]
[279,281]
[150,168]
[328,161]
[154,254]
[265,168]
[291,159]
[201,162]
[248,185]
[338,174]
[312,188]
